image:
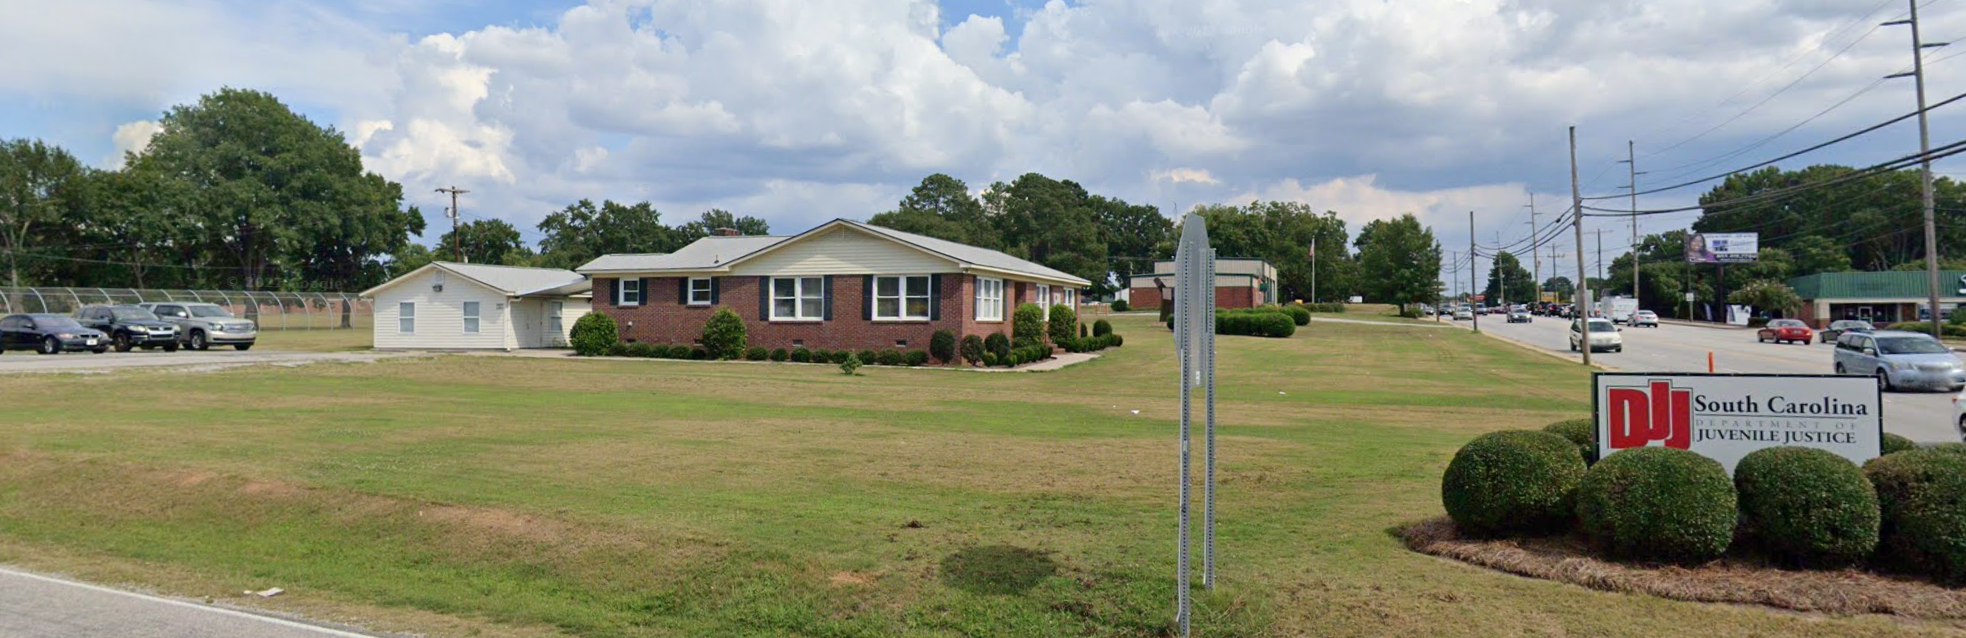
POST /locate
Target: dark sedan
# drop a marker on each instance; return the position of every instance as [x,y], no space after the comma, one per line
[1837,328]
[49,334]
[130,327]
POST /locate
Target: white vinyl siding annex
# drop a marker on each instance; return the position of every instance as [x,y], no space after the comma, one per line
[439,319]
[843,251]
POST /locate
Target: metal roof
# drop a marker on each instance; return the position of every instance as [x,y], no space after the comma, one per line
[968,254]
[705,253]
[512,280]
[1892,284]
[716,252]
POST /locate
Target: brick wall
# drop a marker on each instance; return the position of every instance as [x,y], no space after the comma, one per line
[1225,297]
[663,320]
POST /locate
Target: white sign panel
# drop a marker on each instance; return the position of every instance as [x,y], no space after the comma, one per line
[1723,248]
[1726,416]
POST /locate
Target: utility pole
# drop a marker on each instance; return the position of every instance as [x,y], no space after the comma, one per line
[1600,252]
[1631,159]
[1577,224]
[1535,258]
[1314,269]
[1472,287]
[1918,47]
[1501,278]
[457,239]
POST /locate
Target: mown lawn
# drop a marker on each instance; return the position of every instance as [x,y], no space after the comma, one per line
[504,496]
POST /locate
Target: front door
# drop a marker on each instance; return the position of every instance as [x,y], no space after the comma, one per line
[555,336]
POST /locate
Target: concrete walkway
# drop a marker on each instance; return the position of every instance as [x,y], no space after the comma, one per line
[1442,324]
[37,606]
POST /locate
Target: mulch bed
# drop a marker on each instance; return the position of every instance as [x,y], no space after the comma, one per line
[1728,580]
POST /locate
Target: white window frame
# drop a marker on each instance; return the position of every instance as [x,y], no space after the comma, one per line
[901,298]
[989,299]
[801,292]
[1044,299]
[621,292]
[473,313]
[693,291]
[406,316]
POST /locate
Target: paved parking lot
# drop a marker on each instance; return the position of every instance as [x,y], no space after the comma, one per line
[18,361]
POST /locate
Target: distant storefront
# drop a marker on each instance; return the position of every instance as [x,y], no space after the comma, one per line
[1878,297]
[1239,283]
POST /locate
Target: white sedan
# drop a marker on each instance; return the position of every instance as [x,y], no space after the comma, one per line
[1603,335]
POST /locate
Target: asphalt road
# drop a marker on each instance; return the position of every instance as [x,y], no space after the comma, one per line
[21,361]
[1926,417]
[36,606]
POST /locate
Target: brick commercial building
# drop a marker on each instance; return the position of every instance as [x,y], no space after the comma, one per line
[1239,283]
[842,285]
[1878,297]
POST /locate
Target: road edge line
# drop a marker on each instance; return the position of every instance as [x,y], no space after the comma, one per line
[227,611]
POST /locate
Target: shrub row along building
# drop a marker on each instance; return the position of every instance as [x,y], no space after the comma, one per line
[842,285]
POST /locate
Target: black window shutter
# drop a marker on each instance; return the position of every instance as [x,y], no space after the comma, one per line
[827,298]
[642,298]
[867,298]
[682,291]
[716,290]
[935,297]
[764,298]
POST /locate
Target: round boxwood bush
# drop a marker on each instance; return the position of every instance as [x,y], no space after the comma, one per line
[1119,305]
[723,334]
[1807,506]
[990,359]
[801,355]
[942,344]
[1298,314]
[1063,324]
[1921,496]
[1582,432]
[840,356]
[889,357]
[780,354]
[1895,443]
[1102,328]
[867,357]
[593,334]
[972,349]
[699,354]
[1512,482]
[756,353]
[1948,448]
[997,344]
[1027,324]
[915,357]
[1658,504]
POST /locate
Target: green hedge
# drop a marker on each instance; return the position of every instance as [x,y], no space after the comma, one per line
[1512,482]
[1119,305]
[888,357]
[915,357]
[1582,432]
[1658,504]
[1925,327]
[1101,328]
[997,344]
[1325,307]
[780,354]
[942,345]
[1921,496]
[1027,325]
[1298,314]
[593,334]
[1254,323]
[1807,506]
[868,357]
[1063,325]
[801,355]
[1895,443]
[723,334]
[756,353]
[972,349]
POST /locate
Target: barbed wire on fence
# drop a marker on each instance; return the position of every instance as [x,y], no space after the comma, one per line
[271,310]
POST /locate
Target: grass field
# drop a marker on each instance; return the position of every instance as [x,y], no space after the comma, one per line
[495,496]
[316,340]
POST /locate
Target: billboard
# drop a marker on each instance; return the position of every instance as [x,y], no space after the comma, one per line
[1722,248]
[1726,416]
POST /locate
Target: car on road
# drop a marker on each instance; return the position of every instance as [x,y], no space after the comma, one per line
[1837,328]
[1463,313]
[1519,315]
[49,334]
[1645,318]
[1899,360]
[1603,335]
[130,327]
[203,325]
[1785,331]
[1959,415]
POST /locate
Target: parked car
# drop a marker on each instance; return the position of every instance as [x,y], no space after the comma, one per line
[1837,328]
[1785,331]
[130,327]
[49,334]
[1899,359]
[1519,315]
[1603,335]
[1645,318]
[203,325]
[1959,414]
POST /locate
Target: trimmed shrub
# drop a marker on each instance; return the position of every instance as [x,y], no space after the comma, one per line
[867,357]
[1582,432]
[1298,314]
[645,350]
[618,350]
[1118,340]
[1807,506]
[972,349]
[840,356]
[1409,313]
[723,334]
[593,334]
[801,355]
[1013,361]
[1921,497]
[1084,331]
[942,344]
[780,354]
[756,353]
[680,351]
[1948,448]
[1101,328]
[822,355]
[1512,482]
[699,354]
[1895,443]
[1119,305]
[1254,322]
[1658,504]
[990,359]
[888,357]
[915,357]
[849,365]
[997,344]
[1027,325]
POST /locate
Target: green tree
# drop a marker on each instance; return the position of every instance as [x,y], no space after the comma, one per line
[271,190]
[1133,234]
[410,257]
[941,207]
[39,186]
[716,218]
[484,241]
[1817,254]
[1767,295]
[582,231]
[1050,222]
[1509,282]
[1560,285]
[1282,233]
[1400,262]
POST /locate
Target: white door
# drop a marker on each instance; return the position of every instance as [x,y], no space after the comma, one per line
[555,336]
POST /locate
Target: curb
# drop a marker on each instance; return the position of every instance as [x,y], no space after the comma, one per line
[1702,324]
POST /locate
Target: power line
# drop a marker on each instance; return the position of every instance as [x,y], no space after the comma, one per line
[1877,169]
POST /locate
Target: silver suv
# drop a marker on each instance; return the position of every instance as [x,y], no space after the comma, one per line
[1899,360]
[203,325]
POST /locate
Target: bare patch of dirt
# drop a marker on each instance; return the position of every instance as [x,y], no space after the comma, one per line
[1729,580]
[503,523]
[845,579]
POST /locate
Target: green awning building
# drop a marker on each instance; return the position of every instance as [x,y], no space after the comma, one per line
[1878,297]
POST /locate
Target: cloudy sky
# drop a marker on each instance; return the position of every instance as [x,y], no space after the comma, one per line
[800,111]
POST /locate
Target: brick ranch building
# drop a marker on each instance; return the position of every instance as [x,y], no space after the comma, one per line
[1239,283]
[842,285]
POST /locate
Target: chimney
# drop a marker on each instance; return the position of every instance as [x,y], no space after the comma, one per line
[726,232]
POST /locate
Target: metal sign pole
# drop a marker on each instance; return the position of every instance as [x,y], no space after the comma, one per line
[1194,345]
[1206,301]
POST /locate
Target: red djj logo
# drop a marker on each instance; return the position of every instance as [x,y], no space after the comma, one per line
[1640,416]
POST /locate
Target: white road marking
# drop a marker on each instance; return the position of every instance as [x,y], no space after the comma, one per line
[325,631]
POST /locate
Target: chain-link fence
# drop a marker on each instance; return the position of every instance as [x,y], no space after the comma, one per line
[271,310]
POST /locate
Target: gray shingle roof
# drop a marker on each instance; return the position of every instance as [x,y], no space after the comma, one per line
[708,252]
[971,254]
[513,280]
